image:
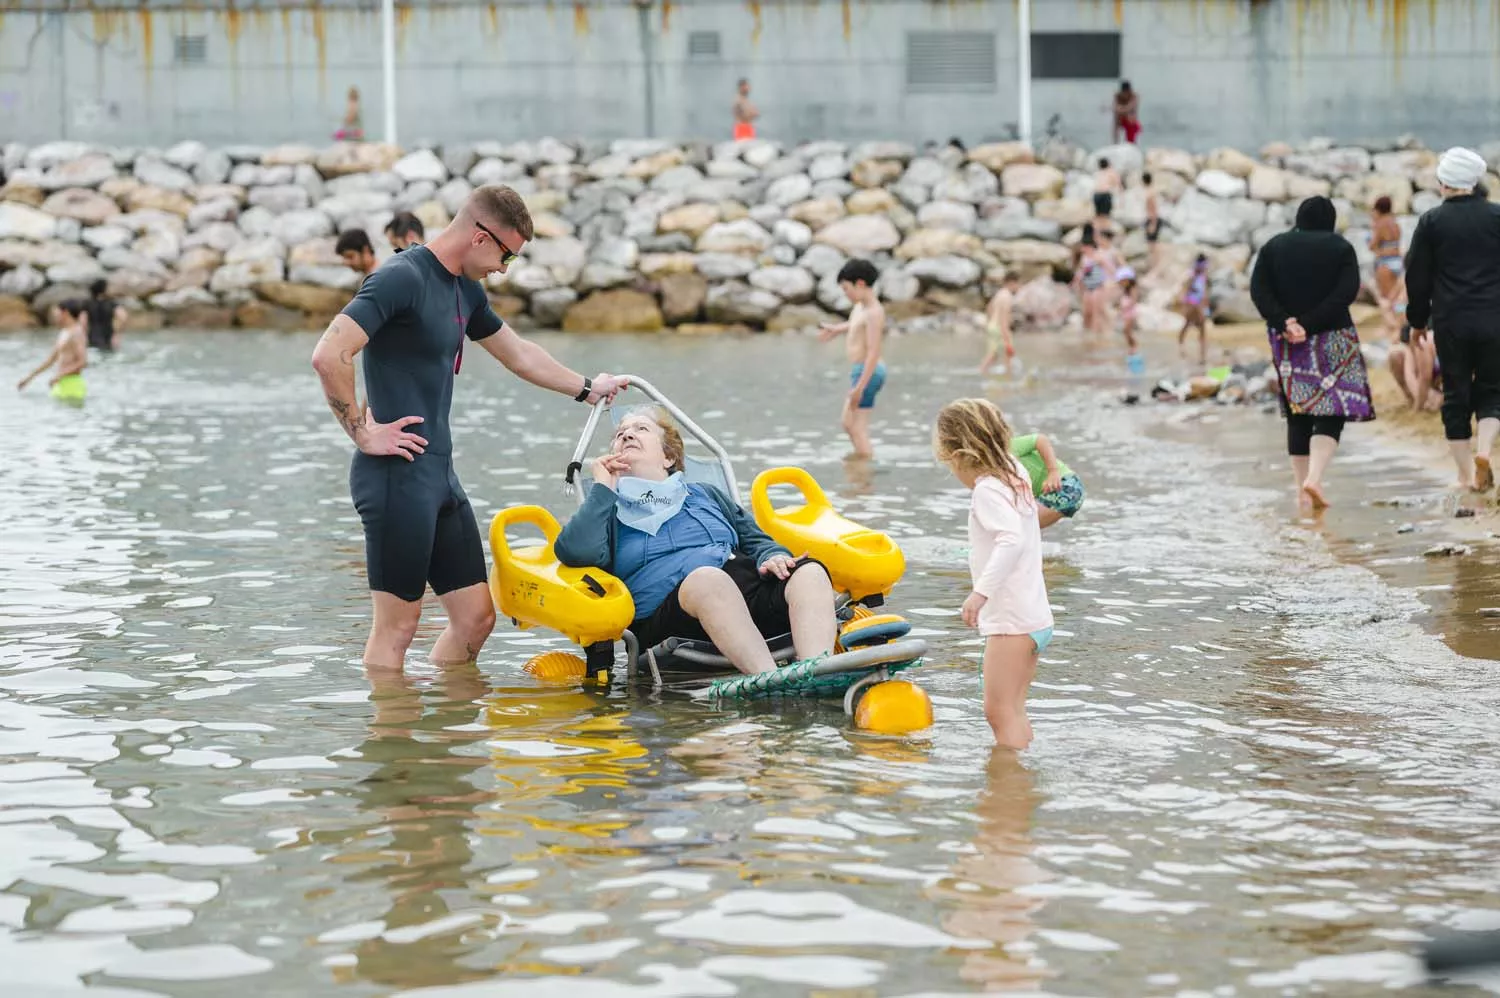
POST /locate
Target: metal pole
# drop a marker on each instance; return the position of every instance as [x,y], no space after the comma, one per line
[1023,63]
[648,63]
[388,65]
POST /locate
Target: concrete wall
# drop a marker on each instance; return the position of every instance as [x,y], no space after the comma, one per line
[1210,72]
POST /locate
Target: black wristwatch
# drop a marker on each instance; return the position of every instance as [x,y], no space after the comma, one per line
[588,386]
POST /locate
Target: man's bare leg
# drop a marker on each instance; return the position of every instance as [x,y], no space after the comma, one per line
[471,618]
[710,596]
[392,630]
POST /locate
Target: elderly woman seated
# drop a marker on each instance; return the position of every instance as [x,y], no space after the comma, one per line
[694,561]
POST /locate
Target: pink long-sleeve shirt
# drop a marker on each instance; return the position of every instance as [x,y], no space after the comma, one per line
[1005,559]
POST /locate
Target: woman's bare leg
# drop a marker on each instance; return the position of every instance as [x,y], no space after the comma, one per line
[1323,448]
[710,596]
[809,600]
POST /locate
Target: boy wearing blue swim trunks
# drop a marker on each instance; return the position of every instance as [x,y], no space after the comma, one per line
[863,335]
[1059,492]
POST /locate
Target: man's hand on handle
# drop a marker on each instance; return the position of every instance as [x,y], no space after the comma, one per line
[388,439]
[606,386]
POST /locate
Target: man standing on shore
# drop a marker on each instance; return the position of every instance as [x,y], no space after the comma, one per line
[1453,285]
[414,314]
[1127,108]
[404,231]
[745,114]
[355,250]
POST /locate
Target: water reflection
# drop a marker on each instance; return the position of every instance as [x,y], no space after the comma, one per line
[989,886]
[423,796]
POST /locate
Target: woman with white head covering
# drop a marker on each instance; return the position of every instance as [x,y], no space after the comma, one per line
[1453,287]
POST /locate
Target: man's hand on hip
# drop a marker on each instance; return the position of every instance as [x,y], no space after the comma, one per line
[389,439]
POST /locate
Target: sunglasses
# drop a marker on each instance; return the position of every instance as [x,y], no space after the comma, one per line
[506,255]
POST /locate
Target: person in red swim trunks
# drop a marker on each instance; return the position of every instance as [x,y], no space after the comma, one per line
[1127,113]
[745,114]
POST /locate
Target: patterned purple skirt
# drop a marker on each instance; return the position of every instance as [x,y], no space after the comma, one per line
[1323,375]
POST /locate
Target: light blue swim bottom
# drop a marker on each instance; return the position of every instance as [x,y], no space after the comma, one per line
[1041,639]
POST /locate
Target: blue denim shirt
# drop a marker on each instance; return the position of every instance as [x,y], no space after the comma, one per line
[698,535]
[594,537]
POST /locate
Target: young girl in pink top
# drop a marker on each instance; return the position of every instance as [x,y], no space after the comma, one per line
[1008,602]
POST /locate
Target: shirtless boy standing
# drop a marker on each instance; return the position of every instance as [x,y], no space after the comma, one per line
[864,333]
[997,323]
[745,113]
[1106,185]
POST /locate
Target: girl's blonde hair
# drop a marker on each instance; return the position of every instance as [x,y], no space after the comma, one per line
[972,435]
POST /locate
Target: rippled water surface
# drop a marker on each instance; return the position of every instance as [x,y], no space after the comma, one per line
[1258,769]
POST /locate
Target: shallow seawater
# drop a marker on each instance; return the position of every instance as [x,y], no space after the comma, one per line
[1258,769]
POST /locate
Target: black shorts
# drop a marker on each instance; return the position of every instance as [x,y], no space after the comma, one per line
[1104,203]
[419,526]
[765,595]
[1153,229]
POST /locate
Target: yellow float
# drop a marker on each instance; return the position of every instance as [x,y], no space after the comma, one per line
[862,562]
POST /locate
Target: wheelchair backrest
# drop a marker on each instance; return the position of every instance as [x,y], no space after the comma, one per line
[706,471]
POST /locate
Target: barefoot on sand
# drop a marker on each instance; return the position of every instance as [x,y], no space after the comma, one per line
[1314,493]
[1484,475]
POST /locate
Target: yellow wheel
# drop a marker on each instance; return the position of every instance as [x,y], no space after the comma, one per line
[556,667]
[894,707]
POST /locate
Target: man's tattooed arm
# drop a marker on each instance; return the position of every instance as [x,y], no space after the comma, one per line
[334,361]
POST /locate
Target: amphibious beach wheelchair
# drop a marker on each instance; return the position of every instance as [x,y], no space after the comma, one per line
[595,610]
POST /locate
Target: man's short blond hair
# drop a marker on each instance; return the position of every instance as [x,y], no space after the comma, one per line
[499,206]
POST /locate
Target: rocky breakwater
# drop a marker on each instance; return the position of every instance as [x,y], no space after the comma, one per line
[644,235]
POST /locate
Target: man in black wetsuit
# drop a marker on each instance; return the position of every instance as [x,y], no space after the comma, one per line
[411,318]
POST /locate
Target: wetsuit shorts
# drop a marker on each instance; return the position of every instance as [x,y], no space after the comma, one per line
[419,526]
